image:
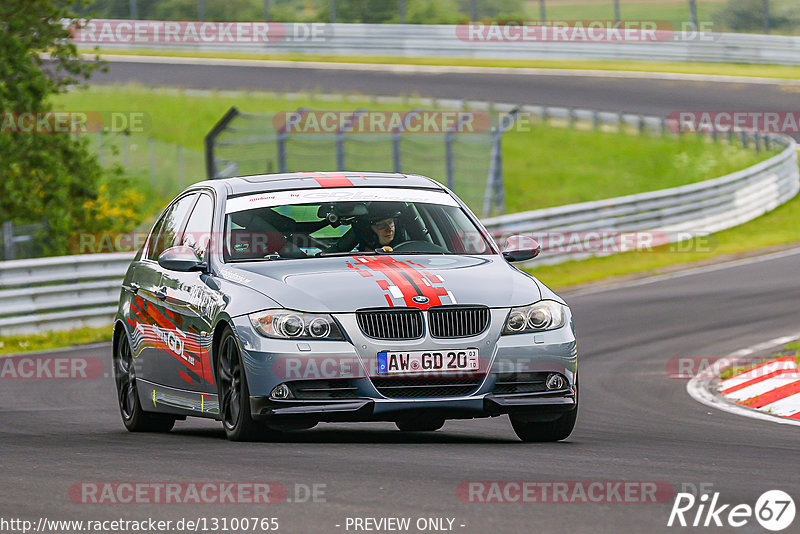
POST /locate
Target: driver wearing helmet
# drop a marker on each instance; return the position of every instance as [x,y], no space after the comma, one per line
[382,231]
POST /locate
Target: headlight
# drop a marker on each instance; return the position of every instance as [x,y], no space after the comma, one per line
[544,315]
[287,324]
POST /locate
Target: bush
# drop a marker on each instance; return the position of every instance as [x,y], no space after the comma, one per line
[748,16]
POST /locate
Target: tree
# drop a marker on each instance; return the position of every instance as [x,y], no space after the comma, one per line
[366,11]
[45,175]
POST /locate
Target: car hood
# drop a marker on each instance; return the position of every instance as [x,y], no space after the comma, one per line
[348,283]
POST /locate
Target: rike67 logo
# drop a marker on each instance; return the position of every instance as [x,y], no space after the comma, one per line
[774,510]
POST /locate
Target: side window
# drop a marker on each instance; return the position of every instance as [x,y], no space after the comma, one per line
[169,227]
[198,230]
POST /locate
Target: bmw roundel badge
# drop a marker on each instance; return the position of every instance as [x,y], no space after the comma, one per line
[419,299]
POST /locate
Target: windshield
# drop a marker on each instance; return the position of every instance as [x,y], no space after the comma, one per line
[284,225]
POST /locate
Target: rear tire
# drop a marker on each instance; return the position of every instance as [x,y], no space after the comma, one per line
[420,424]
[234,395]
[134,417]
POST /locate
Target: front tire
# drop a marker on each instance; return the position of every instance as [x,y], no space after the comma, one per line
[539,432]
[234,395]
[133,417]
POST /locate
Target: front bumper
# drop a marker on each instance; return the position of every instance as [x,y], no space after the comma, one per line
[543,406]
[270,362]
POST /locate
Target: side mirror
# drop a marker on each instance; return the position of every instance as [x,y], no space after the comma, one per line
[181,259]
[521,248]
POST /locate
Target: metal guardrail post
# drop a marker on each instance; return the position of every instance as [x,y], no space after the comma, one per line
[397,157]
[210,139]
[8,240]
[448,161]
[341,134]
[280,141]
[448,151]
[495,186]
[595,120]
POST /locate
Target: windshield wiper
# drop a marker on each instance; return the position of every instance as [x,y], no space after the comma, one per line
[351,253]
[271,257]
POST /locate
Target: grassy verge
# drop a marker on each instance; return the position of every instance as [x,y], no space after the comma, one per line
[542,167]
[722,69]
[53,340]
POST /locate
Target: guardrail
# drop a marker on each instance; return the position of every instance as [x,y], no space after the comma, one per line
[83,290]
[60,293]
[442,41]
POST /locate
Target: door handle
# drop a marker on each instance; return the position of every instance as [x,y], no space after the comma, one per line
[135,288]
[161,293]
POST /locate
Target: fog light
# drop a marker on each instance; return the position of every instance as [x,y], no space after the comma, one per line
[555,381]
[281,392]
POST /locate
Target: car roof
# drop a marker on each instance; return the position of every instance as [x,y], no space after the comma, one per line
[243,185]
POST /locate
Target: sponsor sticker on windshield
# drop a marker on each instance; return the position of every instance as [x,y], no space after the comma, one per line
[348,194]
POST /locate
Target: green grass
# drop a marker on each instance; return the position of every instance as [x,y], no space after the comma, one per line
[545,168]
[786,72]
[608,164]
[780,227]
[53,340]
[675,12]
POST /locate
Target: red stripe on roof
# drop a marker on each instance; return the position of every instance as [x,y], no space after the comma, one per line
[329,179]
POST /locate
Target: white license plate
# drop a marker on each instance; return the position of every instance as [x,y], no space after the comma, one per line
[428,360]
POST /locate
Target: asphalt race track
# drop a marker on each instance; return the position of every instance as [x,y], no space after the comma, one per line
[635,423]
[635,95]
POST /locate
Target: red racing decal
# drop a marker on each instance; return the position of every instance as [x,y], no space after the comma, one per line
[405,283]
[192,354]
[329,179]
